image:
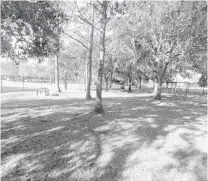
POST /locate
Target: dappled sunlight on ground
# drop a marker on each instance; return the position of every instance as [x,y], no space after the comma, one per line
[137,138]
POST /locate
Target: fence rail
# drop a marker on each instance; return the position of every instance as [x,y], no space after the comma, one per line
[28,83]
[184,88]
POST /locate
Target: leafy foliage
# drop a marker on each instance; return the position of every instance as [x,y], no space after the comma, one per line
[30,29]
[203,81]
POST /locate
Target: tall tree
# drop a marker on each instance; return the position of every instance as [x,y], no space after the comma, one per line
[83,15]
[98,103]
[31,29]
[89,59]
[164,37]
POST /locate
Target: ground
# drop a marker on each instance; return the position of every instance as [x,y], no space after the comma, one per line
[136,139]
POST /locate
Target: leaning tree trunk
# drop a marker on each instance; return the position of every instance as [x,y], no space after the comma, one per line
[98,103]
[159,88]
[89,59]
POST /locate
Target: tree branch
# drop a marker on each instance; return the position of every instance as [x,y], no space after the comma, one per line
[166,65]
[83,18]
[76,56]
[99,2]
[77,40]
[97,8]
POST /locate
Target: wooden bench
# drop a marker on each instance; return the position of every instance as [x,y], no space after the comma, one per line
[122,89]
[45,90]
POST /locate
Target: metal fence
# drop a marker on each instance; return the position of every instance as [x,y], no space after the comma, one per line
[184,88]
[28,83]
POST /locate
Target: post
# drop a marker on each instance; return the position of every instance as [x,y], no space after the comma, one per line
[175,87]
[171,87]
[186,92]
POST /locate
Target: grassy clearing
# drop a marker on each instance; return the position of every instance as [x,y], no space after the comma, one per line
[137,138]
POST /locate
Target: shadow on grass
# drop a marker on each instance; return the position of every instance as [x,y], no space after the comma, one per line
[52,139]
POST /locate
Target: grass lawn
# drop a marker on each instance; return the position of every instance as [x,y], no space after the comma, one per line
[136,139]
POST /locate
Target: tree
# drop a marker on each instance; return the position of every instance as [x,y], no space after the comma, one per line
[70,68]
[82,15]
[31,29]
[108,71]
[203,81]
[89,59]
[98,104]
[167,39]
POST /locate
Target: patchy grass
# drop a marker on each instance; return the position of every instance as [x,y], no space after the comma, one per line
[137,138]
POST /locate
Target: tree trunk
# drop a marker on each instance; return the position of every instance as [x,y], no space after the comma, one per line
[106,85]
[89,59]
[167,84]
[98,103]
[136,82]
[57,73]
[155,85]
[111,76]
[140,82]
[65,85]
[129,90]
[158,88]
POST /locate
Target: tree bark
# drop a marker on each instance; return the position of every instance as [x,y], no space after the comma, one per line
[136,82]
[89,59]
[158,88]
[106,84]
[98,103]
[140,82]
[110,81]
[65,85]
[130,81]
[57,73]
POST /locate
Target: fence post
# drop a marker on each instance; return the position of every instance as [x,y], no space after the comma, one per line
[172,87]
[175,87]
[186,92]
[23,81]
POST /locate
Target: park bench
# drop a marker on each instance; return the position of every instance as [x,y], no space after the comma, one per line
[122,88]
[43,90]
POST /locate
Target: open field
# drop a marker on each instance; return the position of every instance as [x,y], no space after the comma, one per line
[137,138]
